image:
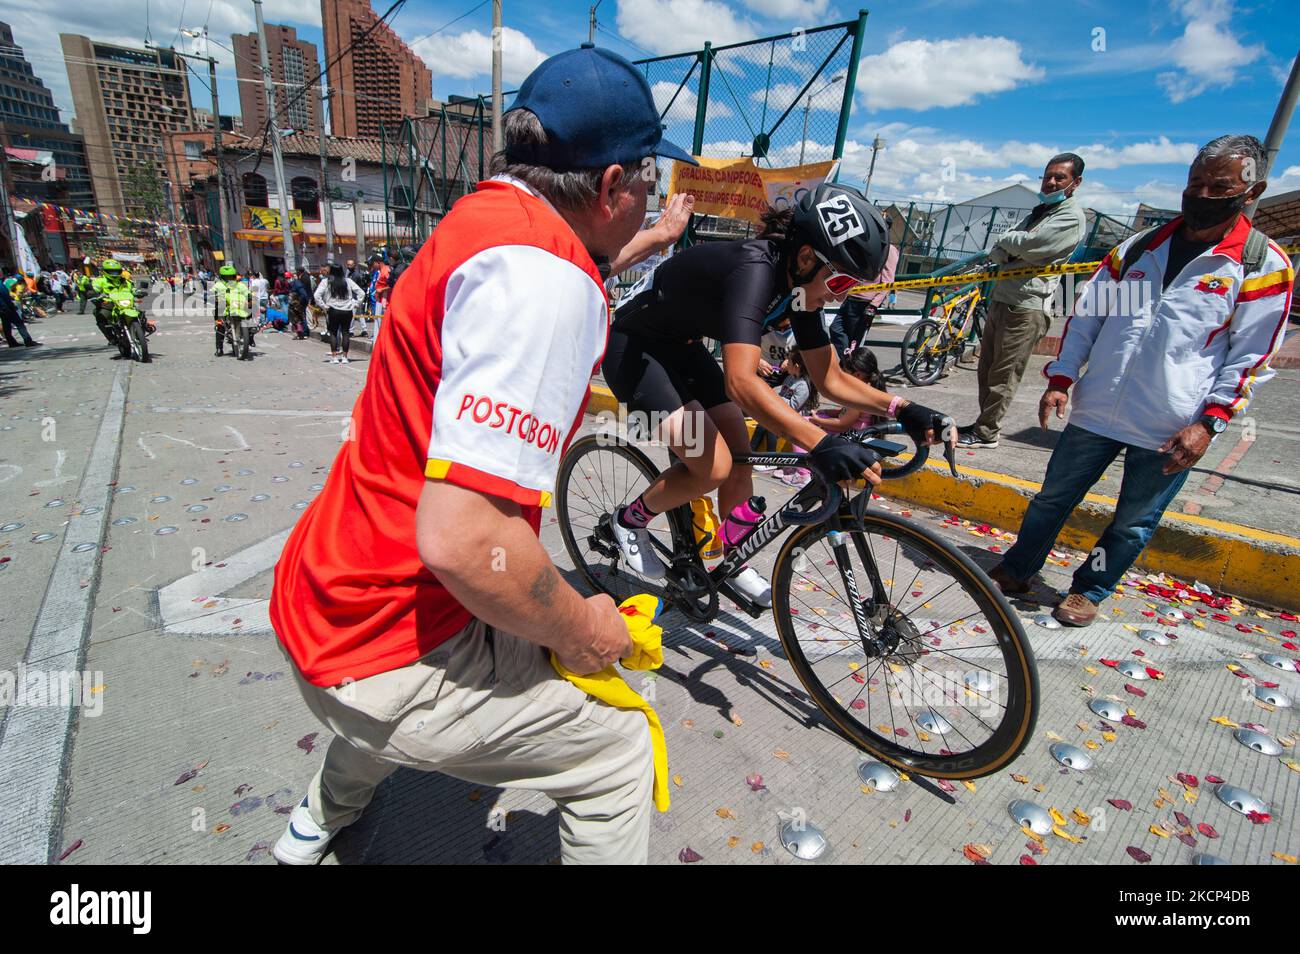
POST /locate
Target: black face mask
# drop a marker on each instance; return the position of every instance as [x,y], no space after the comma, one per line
[1202,212]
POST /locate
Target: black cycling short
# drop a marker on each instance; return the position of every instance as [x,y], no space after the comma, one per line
[649,375]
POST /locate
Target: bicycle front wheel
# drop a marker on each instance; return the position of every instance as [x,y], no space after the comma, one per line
[924,354]
[941,681]
[139,345]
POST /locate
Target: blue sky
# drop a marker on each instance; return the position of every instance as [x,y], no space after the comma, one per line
[968,95]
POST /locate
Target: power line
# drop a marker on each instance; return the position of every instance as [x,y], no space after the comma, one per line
[266,130]
[618,36]
[448,23]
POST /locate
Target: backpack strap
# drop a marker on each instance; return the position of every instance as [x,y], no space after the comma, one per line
[1137,250]
[1255,251]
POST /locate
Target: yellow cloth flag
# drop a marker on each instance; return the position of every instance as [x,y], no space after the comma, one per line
[639,613]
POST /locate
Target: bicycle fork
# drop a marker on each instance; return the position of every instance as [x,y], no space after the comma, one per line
[863,612]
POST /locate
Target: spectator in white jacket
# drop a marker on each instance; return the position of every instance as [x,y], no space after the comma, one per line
[1176,328]
[339,296]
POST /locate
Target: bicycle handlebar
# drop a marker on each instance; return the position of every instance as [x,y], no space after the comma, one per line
[868,437]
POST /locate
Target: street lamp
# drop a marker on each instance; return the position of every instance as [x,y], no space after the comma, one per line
[876,145]
[803,143]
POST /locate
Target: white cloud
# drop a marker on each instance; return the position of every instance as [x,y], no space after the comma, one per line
[923,74]
[670,26]
[925,164]
[803,11]
[469,54]
[1208,54]
[684,103]
[780,95]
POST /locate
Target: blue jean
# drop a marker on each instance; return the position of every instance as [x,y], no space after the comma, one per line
[1079,460]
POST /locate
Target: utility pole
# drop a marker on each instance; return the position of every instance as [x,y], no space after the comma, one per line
[498,143]
[323,191]
[876,145]
[591,26]
[807,108]
[1281,119]
[273,131]
[227,242]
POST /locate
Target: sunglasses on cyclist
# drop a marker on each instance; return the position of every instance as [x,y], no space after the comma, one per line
[837,282]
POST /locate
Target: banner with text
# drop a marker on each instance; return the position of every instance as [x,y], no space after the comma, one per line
[261,218]
[738,189]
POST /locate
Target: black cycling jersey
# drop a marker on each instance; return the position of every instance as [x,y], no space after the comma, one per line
[727,291]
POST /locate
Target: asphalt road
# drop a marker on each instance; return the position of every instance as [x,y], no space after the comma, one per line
[191,742]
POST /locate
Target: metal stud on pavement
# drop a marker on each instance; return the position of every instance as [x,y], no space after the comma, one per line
[804,841]
[931,721]
[1047,621]
[1273,697]
[979,680]
[1071,756]
[1153,636]
[1029,815]
[1258,741]
[1204,859]
[1240,800]
[878,776]
[1284,663]
[1134,670]
[1110,711]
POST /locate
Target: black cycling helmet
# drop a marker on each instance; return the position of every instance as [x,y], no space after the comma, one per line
[846,229]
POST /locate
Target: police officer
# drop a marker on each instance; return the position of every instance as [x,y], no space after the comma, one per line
[233,308]
[110,279]
[85,281]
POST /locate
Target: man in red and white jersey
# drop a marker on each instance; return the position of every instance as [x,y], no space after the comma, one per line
[414,597]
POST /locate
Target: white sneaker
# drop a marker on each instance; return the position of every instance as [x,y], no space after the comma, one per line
[638,551]
[343,360]
[330,359]
[303,842]
[752,584]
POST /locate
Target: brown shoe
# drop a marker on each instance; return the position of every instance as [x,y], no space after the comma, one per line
[1007,583]
[1076,610]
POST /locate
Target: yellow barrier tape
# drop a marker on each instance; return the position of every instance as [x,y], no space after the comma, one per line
[996,275]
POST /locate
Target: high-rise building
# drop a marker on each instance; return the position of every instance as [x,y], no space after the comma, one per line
[127,101]
[29,121]
[293,65]
[378,81]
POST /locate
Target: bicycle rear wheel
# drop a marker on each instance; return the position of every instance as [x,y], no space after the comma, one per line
[597,476]
[944,683]
[924,356]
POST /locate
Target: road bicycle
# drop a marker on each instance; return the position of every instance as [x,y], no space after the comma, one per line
[898,637]
[955,323]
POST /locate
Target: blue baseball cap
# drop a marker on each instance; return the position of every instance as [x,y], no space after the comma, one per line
[597,110]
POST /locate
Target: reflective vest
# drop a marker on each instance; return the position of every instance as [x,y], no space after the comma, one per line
[233,299]
[84,282]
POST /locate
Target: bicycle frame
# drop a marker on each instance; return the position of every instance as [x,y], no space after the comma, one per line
[797,511]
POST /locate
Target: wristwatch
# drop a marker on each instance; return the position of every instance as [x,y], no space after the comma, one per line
[1215,425]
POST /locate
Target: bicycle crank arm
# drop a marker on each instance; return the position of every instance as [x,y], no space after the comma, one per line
[740,599]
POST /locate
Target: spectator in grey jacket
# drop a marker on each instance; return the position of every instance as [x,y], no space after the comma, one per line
[1020,309]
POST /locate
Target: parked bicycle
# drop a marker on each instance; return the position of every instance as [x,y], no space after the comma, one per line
[956,322]
[897,636]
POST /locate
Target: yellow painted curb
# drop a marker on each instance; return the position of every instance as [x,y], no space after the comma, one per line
[1249,563]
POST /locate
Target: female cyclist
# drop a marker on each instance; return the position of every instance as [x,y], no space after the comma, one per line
[657,364]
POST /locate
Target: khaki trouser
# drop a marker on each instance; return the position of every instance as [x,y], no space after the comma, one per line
[488,708]
[1005,346]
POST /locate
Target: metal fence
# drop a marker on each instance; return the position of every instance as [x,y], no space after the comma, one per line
[430,162]
[781,100]
[932,235]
